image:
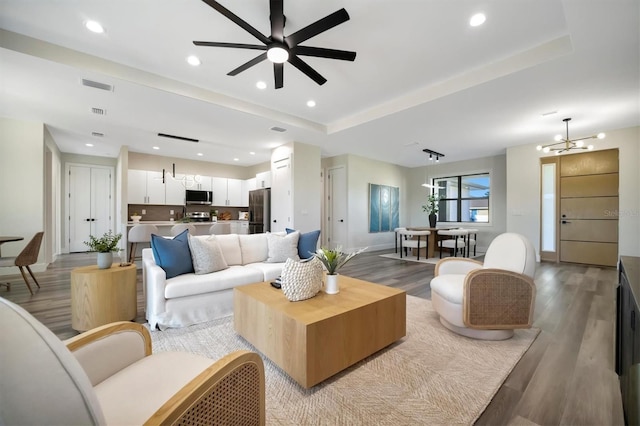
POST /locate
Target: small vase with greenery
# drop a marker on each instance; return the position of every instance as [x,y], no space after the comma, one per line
[432,209]
[105,246]
[333,260]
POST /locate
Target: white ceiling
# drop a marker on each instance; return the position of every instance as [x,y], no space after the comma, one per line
[422,78]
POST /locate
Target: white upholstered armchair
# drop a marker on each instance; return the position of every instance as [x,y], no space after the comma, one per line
[108,376]
[487,300]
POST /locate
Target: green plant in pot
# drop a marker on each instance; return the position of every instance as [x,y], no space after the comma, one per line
[105,246]
[333,260]
[432,209]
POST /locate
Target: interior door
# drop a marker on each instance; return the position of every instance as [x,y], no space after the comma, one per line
[281,195]
[337,207]
[90,204]
[589,207]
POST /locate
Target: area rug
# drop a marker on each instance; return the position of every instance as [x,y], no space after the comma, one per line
[431,376]
[412,258]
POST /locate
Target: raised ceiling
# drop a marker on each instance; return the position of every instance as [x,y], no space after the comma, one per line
[423,78]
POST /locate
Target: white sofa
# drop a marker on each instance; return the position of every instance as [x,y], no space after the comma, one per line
[189,298]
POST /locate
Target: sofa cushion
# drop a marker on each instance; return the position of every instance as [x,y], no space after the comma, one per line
[230,246]
[172,254]
[254,248]
[282,248]
[191,284]
[206,255]
[270,271]
[307,243]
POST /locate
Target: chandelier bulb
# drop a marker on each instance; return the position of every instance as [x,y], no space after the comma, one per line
[539,147]
[546,149]
[557,138]
[601,135]
[579,144]
[590,147]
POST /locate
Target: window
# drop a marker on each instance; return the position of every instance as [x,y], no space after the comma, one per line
[463,198]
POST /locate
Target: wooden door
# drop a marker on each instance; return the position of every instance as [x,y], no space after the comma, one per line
[588,208]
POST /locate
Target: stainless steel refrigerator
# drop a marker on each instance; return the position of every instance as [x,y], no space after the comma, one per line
[259,211]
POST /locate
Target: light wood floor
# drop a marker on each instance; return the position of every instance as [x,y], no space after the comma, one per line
[567,377]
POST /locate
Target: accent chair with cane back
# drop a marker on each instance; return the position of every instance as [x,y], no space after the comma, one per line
[487,300]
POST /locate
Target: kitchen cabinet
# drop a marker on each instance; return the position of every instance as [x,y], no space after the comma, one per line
[263,180]
[247,185]
[203,185]
[174,190]
[145,187]
[226,191]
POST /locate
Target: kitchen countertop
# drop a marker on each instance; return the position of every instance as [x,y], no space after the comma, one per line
[175,222]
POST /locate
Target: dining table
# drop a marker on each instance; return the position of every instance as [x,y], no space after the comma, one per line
[7,239]
[431,244]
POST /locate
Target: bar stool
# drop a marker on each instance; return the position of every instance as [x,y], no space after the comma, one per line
[455,243]
[220,228]
[139,234]
[178,228]
[397,230]
[409,242]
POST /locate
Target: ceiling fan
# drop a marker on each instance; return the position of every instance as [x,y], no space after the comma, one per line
[280,48]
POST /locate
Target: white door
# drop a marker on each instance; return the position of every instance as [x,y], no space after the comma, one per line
[337,207]
[90,204]
[281,195]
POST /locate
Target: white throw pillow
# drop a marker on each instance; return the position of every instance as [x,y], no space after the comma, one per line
[282,247]
[206,255]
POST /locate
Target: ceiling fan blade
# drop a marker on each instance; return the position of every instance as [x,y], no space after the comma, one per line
[237,20]
[278,75]
[321,52]
[305,68]
[277,20]
[248,64]
[321,25]
[236,45]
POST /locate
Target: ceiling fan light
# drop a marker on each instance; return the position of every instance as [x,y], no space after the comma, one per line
[601,136]
[277,55]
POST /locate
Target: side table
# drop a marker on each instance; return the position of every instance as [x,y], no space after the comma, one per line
[101,296]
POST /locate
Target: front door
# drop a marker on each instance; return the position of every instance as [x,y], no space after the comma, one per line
[588,208]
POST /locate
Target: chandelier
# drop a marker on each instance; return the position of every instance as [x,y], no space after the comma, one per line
[187,181]
[565,144]
[432,154]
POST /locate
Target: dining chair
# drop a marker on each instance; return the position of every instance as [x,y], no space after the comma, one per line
[471,241]
[397,230]
[454,241]
[139,234]
[407,240]
[28,256]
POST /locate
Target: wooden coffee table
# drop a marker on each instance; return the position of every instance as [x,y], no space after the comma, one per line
[313,339]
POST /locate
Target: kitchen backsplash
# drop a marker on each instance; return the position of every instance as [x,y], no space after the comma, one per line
[156,212]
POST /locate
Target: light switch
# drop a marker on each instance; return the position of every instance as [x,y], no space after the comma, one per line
[171,212]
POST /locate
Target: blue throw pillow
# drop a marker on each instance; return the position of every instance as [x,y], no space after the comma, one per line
[307,243]
[173,255]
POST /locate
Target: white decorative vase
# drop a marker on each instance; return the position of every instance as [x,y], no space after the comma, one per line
[105,260]
[331,284]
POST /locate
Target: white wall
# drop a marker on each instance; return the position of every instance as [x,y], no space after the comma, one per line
[495,166]
[306,187]
[523,189]
[53,222]
[21,186]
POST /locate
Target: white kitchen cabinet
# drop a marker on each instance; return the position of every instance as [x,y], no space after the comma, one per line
[226,192]
[203,185]
[174,190]
[263,180]
[145,187]
[247,185]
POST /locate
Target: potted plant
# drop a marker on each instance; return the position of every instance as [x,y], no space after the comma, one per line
[136,217]
[432,209]
[105,246]
[333,260]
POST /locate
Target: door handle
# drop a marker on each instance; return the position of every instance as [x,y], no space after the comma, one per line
[565,221]
[88,219]
[274,221]
[341,220]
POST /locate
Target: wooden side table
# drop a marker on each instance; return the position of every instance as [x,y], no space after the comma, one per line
[101,296]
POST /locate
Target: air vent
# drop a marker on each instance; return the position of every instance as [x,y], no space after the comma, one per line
[97,134]
[278,129]
[97,85]
[182,138]
[99,111]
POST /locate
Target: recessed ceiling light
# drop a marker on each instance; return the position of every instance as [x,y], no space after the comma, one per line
[261,85]
[311,103]
[236,159]
[193,60]
[94,26]
[252,153]
[89,144]
[156,147]
[199,154]
[477,19]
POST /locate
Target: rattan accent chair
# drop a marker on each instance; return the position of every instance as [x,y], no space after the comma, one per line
[487,300]
[28,256]
[108,376]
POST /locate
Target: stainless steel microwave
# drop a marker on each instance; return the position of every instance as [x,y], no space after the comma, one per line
[198,197]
